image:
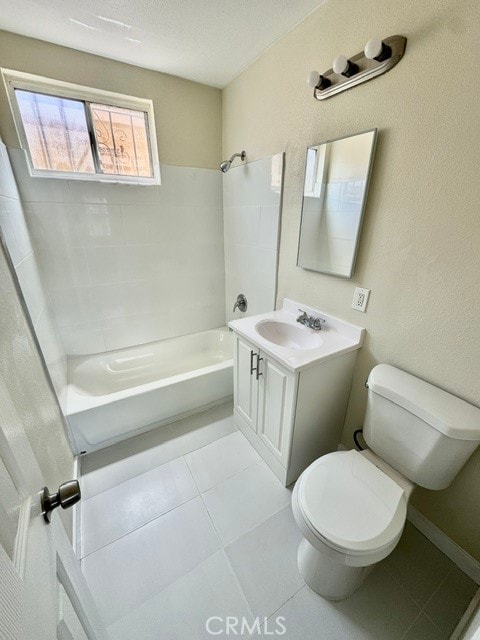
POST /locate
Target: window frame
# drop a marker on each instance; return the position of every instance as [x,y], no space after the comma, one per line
[60,89]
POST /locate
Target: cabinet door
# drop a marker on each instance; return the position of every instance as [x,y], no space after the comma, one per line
[245,383]
[276,401]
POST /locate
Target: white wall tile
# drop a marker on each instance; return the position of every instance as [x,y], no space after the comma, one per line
[139,329]
[20,247]
[269,227]
[63,267]
[83,338]
[54,354]
[252,198]
[8,185]
[36,189]
[94,225]
[122,260]
[29,279]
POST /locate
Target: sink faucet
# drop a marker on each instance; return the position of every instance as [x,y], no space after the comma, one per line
[312,322]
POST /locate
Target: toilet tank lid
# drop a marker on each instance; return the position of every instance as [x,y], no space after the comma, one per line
[445,412]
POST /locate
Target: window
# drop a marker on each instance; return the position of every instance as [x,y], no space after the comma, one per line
[75,132]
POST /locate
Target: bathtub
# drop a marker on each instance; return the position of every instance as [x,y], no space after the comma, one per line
[114,395]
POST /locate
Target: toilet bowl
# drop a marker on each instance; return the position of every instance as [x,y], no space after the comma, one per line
[352,515]
[351,506]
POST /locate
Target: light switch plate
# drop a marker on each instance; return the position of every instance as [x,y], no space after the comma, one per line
[360,299]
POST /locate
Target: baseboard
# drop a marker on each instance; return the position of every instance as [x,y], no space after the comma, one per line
[451,549]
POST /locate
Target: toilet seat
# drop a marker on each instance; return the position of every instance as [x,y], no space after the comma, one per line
[349,505]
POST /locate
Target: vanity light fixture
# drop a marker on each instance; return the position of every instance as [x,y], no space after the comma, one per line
[378,56]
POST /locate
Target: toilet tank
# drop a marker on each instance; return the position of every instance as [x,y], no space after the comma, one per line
[422,431]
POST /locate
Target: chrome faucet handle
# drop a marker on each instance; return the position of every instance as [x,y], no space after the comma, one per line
[241,303]
[317,323]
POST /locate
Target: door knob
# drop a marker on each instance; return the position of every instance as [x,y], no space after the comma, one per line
[68,494]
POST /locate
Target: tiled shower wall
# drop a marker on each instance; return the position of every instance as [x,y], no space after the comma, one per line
[25,261]
[252,201]
[124,265]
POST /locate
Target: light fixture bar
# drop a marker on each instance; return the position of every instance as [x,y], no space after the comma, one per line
[368,68]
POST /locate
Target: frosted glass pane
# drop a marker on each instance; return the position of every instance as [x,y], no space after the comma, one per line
[122,140]
[57,133]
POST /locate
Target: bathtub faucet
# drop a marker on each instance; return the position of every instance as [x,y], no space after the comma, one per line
[241,303]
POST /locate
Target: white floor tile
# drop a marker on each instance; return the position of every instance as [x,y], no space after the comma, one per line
[181,611]
[242,502]
[408,561]
[447,605]
[221,459]
[203,428]
[122,509]
[379,610]
[424,629]
[133,569]
[110,467]
[265,562]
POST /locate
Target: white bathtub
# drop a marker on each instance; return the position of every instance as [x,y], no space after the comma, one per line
[115,395]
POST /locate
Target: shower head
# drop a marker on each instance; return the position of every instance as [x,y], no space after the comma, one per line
[226,164]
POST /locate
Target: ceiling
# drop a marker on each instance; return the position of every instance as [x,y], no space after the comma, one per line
[209,41]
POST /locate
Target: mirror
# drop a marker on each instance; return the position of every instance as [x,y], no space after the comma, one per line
[337,174]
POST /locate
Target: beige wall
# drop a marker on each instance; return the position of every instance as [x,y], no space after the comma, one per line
[420,246]
[187,114]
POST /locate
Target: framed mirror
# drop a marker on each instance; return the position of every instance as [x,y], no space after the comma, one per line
[337,175]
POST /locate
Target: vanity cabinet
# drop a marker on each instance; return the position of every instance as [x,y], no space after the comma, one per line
[290,417]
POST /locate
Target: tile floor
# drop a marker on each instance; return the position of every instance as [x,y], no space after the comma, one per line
[187,522]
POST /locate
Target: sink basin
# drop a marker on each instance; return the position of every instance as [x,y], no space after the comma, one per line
[288,335]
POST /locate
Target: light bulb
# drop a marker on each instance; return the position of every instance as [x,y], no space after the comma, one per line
[344,67]
[340,64]
[313,79]
[316,81]
[376,49]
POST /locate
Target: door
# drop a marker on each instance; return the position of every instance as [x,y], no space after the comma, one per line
[245,383]
[43,594]
[276,402]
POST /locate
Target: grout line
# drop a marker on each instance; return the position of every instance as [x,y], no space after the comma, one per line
[199,495]
[433,595]
[257,525]
[144,524]
[234,573]
[287,600]
[410,626]
[137,475]
[405,590]
[436,589]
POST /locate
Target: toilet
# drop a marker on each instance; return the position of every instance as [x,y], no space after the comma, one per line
[351,506]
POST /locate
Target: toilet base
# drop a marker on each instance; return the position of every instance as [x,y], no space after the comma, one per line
[327,577]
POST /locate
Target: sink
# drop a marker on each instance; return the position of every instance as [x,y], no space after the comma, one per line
[288,335]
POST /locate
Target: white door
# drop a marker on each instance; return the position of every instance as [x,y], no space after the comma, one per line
[245,382]
[276,396]
[43,594]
